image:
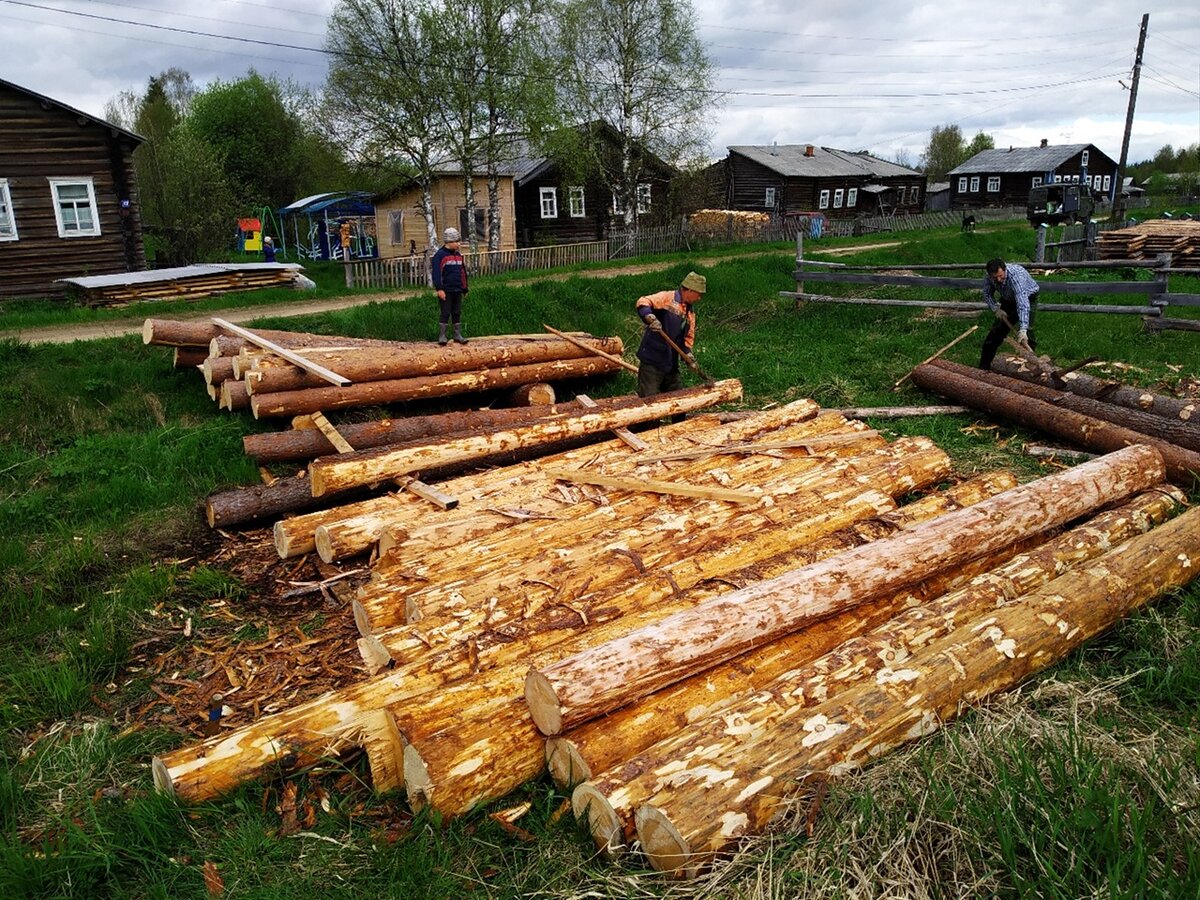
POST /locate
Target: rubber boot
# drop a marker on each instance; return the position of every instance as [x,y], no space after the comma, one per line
[442,334]
[458,335]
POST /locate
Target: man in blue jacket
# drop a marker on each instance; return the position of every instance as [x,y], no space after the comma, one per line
[450,282]
[1010,293]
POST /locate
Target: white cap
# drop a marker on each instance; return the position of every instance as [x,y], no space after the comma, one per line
[450,234]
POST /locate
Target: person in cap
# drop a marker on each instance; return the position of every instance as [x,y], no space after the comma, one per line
[450,282]
[1011,294]
[268,250]
[669,313]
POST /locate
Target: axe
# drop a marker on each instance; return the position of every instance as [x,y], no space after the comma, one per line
[686,357]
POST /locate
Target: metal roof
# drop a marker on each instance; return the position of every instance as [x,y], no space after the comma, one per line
[1020,159]
[152,275]
[50,101]
[356,200]
[790,161]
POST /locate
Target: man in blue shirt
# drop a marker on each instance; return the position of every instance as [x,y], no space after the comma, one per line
[1010,293]
[449,272]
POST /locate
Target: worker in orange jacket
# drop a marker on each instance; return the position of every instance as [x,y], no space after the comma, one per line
[668,312]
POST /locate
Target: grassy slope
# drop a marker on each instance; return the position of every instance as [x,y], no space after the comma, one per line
[1084,783]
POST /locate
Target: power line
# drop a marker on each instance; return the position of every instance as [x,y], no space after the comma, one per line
[860,38]
[184,15]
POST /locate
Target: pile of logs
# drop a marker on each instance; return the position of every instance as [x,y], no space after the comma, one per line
[181,283]
[320,373]
[701,622]
[1089,412]
[1147,240]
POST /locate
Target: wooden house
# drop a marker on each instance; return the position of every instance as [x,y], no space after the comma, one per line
[68,195]
[1005,177]
[804,178]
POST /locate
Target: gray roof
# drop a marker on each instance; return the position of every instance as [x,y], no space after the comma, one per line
[826,162]
[1019,159]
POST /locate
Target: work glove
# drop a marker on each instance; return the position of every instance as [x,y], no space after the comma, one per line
[1023,338]
[690,358]
[653,324]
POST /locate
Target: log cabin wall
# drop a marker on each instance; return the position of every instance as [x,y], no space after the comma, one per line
[42,140]
[398,236]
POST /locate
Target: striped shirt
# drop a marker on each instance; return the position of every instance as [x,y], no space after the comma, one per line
[1018,285]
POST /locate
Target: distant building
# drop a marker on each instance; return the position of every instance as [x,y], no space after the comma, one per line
[1005,177]
[937,196]
[68,195]
[804,178]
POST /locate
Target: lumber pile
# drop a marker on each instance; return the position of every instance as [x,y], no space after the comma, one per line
[181,283]
[717,222]
[744,597]
[1147,240]
[1078,408]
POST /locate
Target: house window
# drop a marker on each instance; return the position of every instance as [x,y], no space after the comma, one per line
[1058,179]
[396,227]
[823,203]
[962,185]
[1037,181]
[993,183]
[618,206]
[974,184]
[643,198]
[1089,180]
[852,197]
[8,220]
[480,212]
[769,200]
[1084,159]
[549,198]
[75,207]
[575,202]
[1107,182]
[837,198]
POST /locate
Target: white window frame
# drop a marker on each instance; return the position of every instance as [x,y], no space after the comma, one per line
[1089,181]
[823,200]
[645,196]
[1037,181]
[548,200]
[851,197]
[1083,160]
[1058,179]
[578,210]
[8,224]
[993,184]
[974,184]
[962,184]
[55,184]
[618,209]
[1107,182]
[769,199]
[838,196]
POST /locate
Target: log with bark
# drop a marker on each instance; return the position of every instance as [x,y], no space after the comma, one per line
[537,394]
[606,677]
[1101,389]
[757,699]
[233,395]
[1048,418]
[188,357]
[217,369]
[696,813]
[292,403]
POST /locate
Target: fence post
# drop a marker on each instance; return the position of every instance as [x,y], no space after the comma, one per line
[1039,254]
[799,265]
[1161,278]
[349,270]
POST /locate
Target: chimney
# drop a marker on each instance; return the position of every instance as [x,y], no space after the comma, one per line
[1045,142]
[808,150]
[774,148]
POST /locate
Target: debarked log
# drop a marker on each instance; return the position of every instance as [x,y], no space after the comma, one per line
[292,403]
[692,816]
[335,473]
[603,678]
[760,697]
[1086,431]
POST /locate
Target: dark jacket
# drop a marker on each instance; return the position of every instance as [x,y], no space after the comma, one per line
[678,320]
[449,271]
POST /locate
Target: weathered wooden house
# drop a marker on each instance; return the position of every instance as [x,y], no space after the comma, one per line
[804,178]
[1005,177]
[68,195]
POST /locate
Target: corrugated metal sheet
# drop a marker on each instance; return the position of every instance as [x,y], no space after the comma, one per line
[826,162]
[153,275]
[1019,159]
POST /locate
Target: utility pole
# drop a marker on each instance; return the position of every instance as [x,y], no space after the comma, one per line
[1118,209]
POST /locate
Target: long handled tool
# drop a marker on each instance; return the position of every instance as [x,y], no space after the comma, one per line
[1043,365]
[970,331]
[686,357]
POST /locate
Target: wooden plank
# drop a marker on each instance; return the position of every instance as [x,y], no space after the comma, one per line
[980,306]
[813,445]
[920,281]
[331,433]
[566,337]
[907,375]
[628,437]
[430,493]
[652,486]
[294,358]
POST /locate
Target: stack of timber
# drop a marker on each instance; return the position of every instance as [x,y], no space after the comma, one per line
[1077,408]
[1149,239]
[291,374]
[180,283]
[705,582]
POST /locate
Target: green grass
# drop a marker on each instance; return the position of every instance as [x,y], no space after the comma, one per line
[1082,784]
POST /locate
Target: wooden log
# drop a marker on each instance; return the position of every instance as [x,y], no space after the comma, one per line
[226,509]
[536,394]
[1048,418]
[291,446]
[417,360]
[233,395]
[440,499]
[331,433]
[653,486]
[1159,323]
[365,467]
[1040,451]
[188,357]
[907,375]
[1098,389]
[291,403]
[1179,432]
[605,677]
[295,359]
[826,661]
[899,412]
[684,824]
[217,370]
[200,332]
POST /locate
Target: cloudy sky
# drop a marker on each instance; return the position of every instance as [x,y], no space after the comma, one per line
[872,75]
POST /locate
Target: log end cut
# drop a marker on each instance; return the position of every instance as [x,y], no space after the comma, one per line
[543,703]
[163,783]
[663,845]
[323,543]
[417,783]
[602,820]
[566,764]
